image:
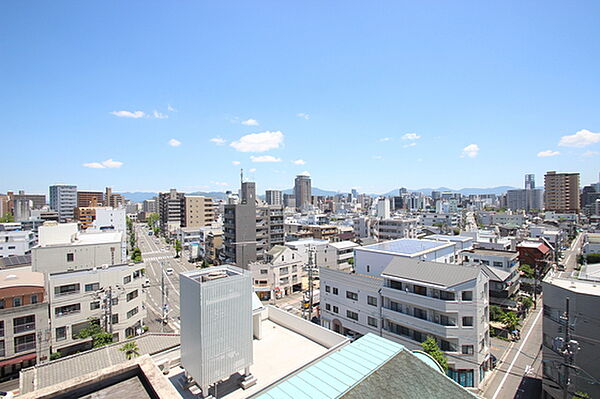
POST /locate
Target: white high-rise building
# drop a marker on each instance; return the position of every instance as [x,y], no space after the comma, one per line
[383,208]
[63,199]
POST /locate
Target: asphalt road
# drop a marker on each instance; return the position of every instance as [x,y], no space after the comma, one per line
[570,255]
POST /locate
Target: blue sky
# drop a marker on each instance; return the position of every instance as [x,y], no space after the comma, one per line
[374,95]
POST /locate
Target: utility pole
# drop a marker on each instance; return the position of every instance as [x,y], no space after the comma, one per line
[110,310]
[569,349]
[162,293]
[310,281]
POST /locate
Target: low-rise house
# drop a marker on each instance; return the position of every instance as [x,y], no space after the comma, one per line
[279,274]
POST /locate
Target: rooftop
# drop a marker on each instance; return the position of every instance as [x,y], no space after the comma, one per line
[573,284]
[593,238]
[449,238]
[493,252]
[407,246]
[14,278]
[343,244]
[440,274]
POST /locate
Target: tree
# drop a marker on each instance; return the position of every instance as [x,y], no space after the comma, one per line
[7,218]
[152,219]
[527,302]
[130,349]
[511,320]
[496,313]
[177,248]
[98,335]
[527,270]
[580,395]
[431,347]
[136,255]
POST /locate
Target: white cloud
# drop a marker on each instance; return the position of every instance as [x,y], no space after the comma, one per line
[170,108]
[411,136]
[470,151]
[384,139]
[108,164]
[174,143]
[265,158]
[580,139]
[159,115]
[235,162]
[250,122]
[590,153]
[218,140]
[303,115]
[252,170]
[547,153]
[409,145]
[258,142]
[299,162]
[219,183]
[129,114]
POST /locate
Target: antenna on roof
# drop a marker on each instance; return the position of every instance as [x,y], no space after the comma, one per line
[241,176]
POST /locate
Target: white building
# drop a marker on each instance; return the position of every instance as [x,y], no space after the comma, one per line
[63,199]
[339,255]
[393,229]
[319,248]
[362,226]
[591,244]
[383,208]
[279,275]
[110,219]
[14,241]
[435,219]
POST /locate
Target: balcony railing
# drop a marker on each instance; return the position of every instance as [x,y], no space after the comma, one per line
[25,347]
[24,328]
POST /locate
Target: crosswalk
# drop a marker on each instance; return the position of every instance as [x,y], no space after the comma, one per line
[156,257]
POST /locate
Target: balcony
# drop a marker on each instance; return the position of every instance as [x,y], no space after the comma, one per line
[418,323]
[21,328]
[27,346]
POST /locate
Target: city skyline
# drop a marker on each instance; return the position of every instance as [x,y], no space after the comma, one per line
[398,104]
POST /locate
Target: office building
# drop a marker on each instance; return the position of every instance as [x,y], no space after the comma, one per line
[529,182]
[561,192]
[274,197]
[302,191]
[87,198]
[63,199]
[23,321]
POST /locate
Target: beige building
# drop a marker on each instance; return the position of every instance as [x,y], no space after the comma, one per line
[561,192]
[199,211]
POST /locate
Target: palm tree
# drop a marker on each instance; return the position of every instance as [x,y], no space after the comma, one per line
[130,349]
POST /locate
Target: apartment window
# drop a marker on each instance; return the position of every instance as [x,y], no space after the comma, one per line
[447,295]
[17,301]
[447,346]
[351,315]
[66,289]
[467,295]
[264,271]
[132,295]
[70,257]
[92,287]
[67,309]
[418,336]
[498,264]
[137,274]
[467,349]
[397,285]
[420,313]
[61,333]
[371,300]
[336,309]
[372,321]
[25,343]
[395,306]
[1,328]
[335,291]
[132,312]
[94,305]
[34,299]
[327,306]
[1,303]
[327,288]
[399,330]
[467,321]
[115,301]
[126,279]
[420,290]
[368,268]
[115,319]
[2,349]
[352,295]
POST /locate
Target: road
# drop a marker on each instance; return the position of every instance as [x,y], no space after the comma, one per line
[570,256]
[158,258]
[519,372]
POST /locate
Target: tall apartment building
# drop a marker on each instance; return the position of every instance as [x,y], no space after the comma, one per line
[302,191]
[561,192]
[198,211]
[87,198]
[249,229]
[24,328]
[274,197]
[113,200]
[150,206]
[37,200]
[407,300]
[63,199]
[583,298]
[171,207]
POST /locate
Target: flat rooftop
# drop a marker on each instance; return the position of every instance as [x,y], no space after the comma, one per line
[280,352]
[407,246]
[449,238]
[573,284]
[492,252]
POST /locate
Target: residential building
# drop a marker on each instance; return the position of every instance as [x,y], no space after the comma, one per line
[407,300]
[441,219]
[110,219]
[362,226]
[150,206]
[561,192]
[198,211]
[113,200]
[171,208]
[24,328]
[15,241]
[312,247]
[530,182]
[570,324]
[323,232]
[591,244]
[85,216]
[535,254]
[89,198]
[37,201]
[274,197]
[213,246]
[63,199]
[289,201]
[280,273]
[502,218]
[383,208]
[302,191]
[340,255]
[393,229]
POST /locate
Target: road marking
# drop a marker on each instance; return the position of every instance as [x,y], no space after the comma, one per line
[516,356]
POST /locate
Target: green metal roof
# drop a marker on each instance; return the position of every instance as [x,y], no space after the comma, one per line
[339,372]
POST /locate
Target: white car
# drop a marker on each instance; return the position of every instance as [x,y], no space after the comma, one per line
[170,271]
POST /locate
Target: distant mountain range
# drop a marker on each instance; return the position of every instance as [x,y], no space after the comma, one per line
[140,196]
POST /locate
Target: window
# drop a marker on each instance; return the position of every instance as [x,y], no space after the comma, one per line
[66,289]
[1,303]
[327,306]
[467,321]
[34,299]
[126,279]
[115,301]
[132,312]
[2,348]
[399,330]
[419,290]
[420,313]
[115,318]
[446,296]
[351,315]
[467,295]
[467,349]
[368,268]
[352,295]
[61,333]
[395,306]
[17,301]
[418,336]
[137,274]
[372,321]
[264,271]
[67,309]
[397,285]
[327,288]
[336,309]
[25,343]
[92,287]
[132,295]
[94,305]
[498,264]
[1,328]
[70,257]
[335,291]
[371,300]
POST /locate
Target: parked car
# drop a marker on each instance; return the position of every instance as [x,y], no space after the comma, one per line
[169,271]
